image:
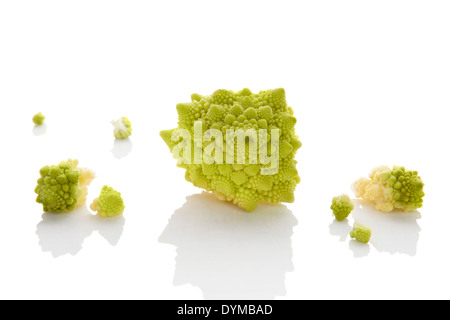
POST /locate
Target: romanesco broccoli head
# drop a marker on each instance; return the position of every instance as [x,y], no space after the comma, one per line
[342,206]
[232,174]
[361,233]
[109,203]
[63,187]
[38,119]
[391,189]
[122,128]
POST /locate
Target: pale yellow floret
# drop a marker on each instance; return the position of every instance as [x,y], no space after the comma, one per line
[85,179]
[390,189]
[359,187]
[374,190]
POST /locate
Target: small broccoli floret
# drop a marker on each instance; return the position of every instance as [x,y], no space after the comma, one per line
[63,187]
[361,233]
[38,119]
[390,189]
[342,206]
[109,203]
[122,128]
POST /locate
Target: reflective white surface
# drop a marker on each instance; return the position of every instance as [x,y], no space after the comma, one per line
[368,82]
[122,148]
[395,232]
[62,234]
[228,254]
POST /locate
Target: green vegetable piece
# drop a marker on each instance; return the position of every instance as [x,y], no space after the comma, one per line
[361,233]
[391,189]
[63,187]
[38,119]
[109,203]
[249,184]
[342,206]
[122,128]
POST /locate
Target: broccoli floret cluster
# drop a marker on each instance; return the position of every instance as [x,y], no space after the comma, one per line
[243,184]
[361,233]
[63,187]
[342,206]
[109,203]
[122,128]
[38,119]
[390,189]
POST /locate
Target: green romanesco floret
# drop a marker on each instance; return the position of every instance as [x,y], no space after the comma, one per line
[38,119]
[391,189]
[342,206]
[63,187]
[122,128]
[109,203]
[235,174]
[361,233]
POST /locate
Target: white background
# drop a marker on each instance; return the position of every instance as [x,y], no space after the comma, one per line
[369,83]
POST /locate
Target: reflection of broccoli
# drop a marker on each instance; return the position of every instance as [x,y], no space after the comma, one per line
[109,203]
[391,189]
[361,233]
[247,183]
[219,249]
[38,119]
[63,187]
[122,128]
[342,206]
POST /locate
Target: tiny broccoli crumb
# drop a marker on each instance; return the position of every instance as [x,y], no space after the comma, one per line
[38,119]
[342,206]
[361,233]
